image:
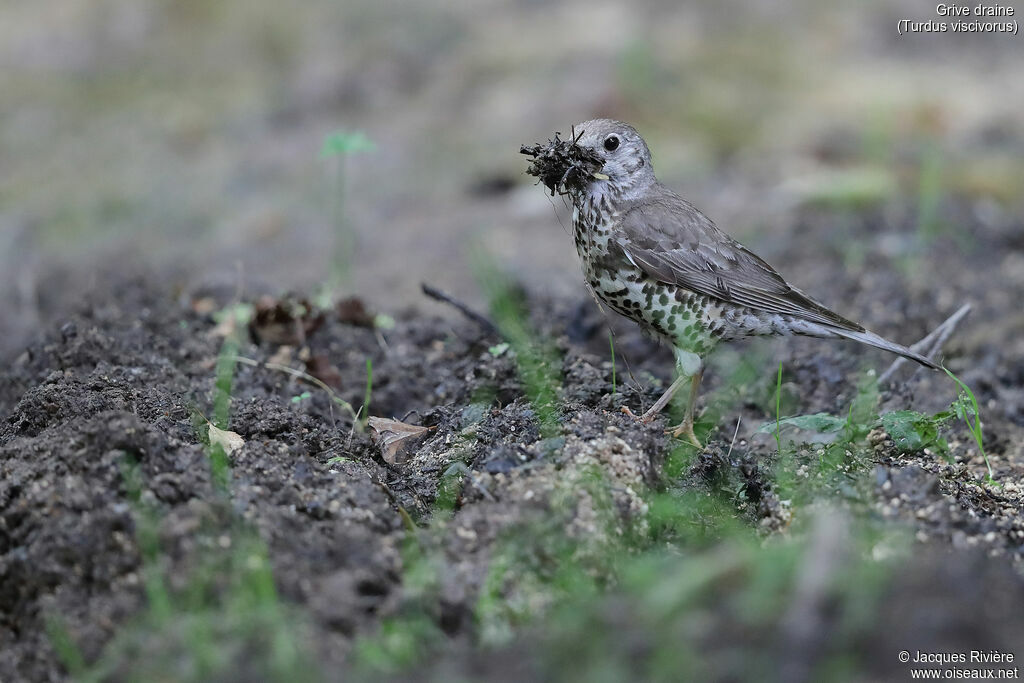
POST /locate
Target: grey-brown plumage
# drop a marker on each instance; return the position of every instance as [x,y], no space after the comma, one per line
[652,256]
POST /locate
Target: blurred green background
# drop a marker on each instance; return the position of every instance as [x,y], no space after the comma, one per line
[187,135]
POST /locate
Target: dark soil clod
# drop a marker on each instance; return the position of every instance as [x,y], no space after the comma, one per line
[562,165]
[287,320]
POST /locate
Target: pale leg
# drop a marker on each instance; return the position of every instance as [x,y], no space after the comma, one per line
[686,426]
[663,400]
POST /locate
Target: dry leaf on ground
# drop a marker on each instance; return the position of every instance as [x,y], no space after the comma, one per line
[229,441]
[395,438]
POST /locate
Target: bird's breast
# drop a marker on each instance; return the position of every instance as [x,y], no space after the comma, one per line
[672,313]
[593,224]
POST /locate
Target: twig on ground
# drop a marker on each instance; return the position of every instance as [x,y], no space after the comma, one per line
[480,319]
[930,346]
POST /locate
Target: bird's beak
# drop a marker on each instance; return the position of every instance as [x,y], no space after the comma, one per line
[599,176]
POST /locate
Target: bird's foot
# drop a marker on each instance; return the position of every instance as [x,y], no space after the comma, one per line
[685,429]
[645,418]
[682,429]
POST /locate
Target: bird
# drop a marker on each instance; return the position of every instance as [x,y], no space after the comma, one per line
[655,258]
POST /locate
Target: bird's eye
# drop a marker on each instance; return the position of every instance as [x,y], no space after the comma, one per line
[611,143]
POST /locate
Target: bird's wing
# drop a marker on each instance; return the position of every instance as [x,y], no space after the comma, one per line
[673,242]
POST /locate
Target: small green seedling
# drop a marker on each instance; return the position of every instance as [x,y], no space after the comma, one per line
[498,350]
[966,408]
[301,397]
[345,143]
[337,147]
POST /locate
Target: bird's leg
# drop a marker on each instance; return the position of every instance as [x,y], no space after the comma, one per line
[653,411]
[691,367]
[686,426]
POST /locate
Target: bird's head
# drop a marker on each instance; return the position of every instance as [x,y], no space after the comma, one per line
[626,166]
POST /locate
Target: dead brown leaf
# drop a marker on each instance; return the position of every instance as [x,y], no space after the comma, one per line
[395,439]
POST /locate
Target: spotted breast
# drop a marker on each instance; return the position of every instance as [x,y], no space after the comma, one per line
[688,321]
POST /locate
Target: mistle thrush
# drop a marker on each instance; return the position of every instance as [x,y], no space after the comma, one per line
[652,256]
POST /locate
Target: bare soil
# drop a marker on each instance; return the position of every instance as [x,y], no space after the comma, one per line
[121,380]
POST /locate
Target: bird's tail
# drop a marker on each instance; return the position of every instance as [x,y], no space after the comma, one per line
[872,339]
